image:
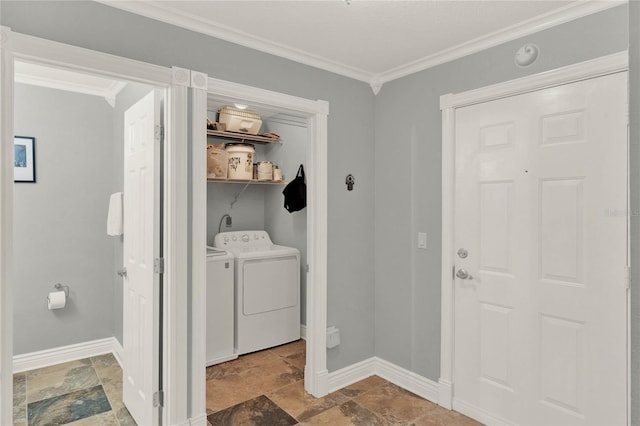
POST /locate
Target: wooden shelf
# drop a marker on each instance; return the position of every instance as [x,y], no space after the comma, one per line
[241,137]
[259,182]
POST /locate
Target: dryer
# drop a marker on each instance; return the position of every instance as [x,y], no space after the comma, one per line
[267,290]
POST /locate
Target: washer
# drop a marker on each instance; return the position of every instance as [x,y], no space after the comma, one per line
[267,290]
[220,306]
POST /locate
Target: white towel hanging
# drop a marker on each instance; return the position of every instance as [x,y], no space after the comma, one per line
[114,219]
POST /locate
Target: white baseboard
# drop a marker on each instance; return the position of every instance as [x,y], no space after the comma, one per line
[198,421]
[303,331]
[413,382]
[351,374]
[445,399]
[479,414]
[62,354]
[402,377]
[118,352]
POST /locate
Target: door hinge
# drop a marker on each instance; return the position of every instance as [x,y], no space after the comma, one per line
[307,267]
[453,272]
[159,133]
[627,277]
[158,399]
[158,265]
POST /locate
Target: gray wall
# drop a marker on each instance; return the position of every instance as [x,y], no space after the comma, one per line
[634,153]
[408,177]
[60,221]
[350,133]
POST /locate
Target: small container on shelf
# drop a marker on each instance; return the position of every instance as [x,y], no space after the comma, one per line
[265,171]
[239,120]
[240,161]
[217,162]
[277,174]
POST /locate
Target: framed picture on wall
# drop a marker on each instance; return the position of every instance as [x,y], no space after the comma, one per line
[24,163]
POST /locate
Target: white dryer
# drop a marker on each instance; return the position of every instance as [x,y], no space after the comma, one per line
[267,290]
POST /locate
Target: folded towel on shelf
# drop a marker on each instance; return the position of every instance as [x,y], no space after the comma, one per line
[114,218]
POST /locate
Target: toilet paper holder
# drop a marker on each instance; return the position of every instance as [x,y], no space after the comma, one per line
[59,286]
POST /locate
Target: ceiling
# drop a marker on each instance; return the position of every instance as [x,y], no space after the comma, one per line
[372,41]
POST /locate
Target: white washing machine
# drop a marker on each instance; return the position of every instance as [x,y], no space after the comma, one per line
[267,290]
[220,306]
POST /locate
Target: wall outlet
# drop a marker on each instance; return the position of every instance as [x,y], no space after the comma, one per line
[422,240]
[333,337]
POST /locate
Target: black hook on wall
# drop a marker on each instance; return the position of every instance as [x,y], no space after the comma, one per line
[350,181]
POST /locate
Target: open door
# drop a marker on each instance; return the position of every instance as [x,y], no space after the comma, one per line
[142,245]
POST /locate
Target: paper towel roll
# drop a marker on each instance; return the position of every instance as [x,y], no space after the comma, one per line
[56,299]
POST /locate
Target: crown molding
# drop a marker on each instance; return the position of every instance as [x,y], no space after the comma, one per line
[542,22]
[158,11]
[109,94]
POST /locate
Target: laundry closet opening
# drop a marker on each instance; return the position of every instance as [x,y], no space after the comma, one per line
[257,252]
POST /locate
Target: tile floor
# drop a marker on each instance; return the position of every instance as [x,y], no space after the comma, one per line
[266,388]
[87,392]
[263,388]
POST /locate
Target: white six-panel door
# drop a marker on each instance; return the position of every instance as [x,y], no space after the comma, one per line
[540,207]
[141,226]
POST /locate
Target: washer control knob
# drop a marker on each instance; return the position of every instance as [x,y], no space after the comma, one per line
[234,238]
[245,238]
[226,239]
[255,237]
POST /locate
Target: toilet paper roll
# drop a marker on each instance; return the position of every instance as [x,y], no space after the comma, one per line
[56,300]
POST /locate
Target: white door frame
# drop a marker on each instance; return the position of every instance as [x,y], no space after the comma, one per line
[175,83]
[610,64]
[316,112]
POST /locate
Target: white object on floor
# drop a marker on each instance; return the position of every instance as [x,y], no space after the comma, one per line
[114,218]
[267,290]
[220,306]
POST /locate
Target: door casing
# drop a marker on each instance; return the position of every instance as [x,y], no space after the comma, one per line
[175,83]
[316,112]
[614,63]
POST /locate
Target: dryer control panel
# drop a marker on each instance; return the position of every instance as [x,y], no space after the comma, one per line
[242,239]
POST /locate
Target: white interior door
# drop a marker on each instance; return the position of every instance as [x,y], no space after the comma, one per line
[541,208]
[141,246]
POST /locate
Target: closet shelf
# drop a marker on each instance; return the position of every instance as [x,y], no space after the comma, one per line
[259,182]
[241,137]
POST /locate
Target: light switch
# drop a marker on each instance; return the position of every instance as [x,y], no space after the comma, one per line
[422,240]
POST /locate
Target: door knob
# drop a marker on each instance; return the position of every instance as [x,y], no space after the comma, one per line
[463,275]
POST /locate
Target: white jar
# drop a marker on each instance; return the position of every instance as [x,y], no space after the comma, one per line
[265,170]
[277,174]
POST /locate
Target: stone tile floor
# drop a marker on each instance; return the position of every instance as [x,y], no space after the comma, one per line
[87,392]
[262,388]
[267,388]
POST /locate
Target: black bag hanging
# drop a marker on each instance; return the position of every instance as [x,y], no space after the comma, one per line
[295,193]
